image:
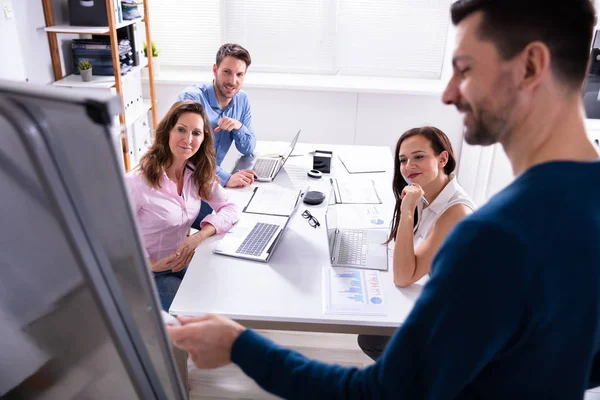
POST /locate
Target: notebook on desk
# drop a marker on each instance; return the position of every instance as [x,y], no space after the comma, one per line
[272,201]
[361,161]
[266,168]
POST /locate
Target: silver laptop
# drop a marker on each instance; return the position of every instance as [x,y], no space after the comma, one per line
[355,248]
[255,236]
[266,168]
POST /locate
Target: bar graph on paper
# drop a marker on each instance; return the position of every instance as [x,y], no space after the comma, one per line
[353,291]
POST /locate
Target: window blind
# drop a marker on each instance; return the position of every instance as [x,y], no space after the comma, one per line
[186,32]
[290,36]
[399,38]
[392,38]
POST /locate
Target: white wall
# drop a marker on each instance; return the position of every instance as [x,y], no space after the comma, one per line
[11,66]
[24,44]
[337,117]
[34,41]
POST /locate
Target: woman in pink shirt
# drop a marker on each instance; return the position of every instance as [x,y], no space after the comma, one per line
[167,188]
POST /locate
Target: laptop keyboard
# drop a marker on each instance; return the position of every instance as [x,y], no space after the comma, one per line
[263,166]
[257,239]
[353,247]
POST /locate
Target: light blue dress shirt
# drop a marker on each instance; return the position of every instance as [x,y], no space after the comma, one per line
[238,108]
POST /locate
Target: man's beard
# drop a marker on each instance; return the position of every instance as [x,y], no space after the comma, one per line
[486,129]
[491,126]
[223,92]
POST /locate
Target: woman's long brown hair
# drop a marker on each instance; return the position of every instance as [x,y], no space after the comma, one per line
[439,143]
[159,157]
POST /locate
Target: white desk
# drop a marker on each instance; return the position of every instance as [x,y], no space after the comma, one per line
[287,292]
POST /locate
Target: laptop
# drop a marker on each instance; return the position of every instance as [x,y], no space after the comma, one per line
[355,248]
[255,236]
[266,168]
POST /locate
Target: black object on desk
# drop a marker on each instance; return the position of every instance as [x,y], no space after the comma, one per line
[322,161]
[316,174]
[312,221]
[313,198]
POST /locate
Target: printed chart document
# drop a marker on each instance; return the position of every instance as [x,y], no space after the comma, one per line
[272,201]
[355,191]
[352,291]
[364,216]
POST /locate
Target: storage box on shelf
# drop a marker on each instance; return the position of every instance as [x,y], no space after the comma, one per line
[94,12]
[113,45]
[98,52]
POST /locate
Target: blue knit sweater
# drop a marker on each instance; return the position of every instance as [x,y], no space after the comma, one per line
[512,309]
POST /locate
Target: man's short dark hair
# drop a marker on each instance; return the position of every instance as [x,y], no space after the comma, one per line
[235,51]
[564,26]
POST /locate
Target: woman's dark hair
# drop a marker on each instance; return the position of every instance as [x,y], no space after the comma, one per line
[565,27]
[159,157]
[439,143]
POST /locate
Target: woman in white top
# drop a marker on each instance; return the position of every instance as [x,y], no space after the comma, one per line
[424,156]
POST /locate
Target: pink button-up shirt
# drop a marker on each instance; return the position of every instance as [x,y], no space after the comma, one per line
[164,216]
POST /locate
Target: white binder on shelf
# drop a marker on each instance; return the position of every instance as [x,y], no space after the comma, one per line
[142,136]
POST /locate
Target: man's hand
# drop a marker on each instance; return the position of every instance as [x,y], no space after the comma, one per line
[242,178]
[228,124]
[209,339]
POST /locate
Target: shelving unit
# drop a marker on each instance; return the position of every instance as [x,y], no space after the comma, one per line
[115,83]
[97,82]
[92,30]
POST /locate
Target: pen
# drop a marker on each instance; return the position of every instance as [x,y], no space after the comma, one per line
[411,184]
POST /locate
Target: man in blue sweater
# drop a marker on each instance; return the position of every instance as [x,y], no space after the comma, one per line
[512,309]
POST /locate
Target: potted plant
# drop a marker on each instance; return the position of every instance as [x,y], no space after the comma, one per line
[85,69]
[155,62]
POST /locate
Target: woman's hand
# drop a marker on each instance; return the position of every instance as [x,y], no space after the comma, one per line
[173,262]
[178,260]
[186,251]
[164,264]
[411,195]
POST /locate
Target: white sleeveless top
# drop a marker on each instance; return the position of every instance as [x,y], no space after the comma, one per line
[451,195]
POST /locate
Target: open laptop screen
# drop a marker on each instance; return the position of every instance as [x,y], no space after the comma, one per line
[290,149]
[331,222]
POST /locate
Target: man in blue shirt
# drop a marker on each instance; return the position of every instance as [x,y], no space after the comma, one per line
[512,309]
[228,109]
[229,114]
